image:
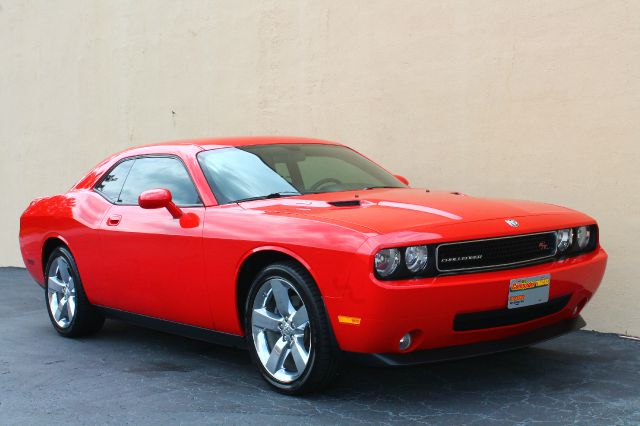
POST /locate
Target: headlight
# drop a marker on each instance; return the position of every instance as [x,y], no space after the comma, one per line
[415,257]
[583,235]
[387,261]
[564,239]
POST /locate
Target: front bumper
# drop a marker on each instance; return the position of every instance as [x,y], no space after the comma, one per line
[429,307]
[474,349]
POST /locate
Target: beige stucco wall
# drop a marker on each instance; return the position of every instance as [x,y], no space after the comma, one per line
[522,99]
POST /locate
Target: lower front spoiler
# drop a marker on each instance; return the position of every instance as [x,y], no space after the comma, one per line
[474,349]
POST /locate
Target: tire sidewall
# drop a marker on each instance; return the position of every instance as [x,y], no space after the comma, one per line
[298,282]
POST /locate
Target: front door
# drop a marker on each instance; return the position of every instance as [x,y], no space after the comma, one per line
[152,265]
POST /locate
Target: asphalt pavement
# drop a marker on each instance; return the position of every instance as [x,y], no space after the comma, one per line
[130,375]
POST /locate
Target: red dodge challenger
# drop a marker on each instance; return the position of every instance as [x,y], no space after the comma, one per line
[303,251]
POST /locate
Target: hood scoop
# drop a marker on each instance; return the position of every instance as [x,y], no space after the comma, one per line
[345,203]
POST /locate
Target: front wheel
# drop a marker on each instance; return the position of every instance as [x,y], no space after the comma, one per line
[288,332]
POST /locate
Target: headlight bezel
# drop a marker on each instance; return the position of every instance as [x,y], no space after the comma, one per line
[402,272]
[574,249]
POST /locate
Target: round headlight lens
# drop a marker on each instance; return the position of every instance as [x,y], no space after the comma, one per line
[415,257]
[564,239]
[583,235]
[387,261]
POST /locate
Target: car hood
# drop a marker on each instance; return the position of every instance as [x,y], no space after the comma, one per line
[396,209]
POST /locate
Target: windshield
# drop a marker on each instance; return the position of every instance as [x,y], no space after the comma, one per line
[269,171]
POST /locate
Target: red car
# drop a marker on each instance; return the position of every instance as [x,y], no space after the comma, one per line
[303,251]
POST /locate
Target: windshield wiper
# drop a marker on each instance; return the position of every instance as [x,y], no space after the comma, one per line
[268,196]
[366,188]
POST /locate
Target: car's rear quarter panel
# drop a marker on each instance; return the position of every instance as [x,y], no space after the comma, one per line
[72,218]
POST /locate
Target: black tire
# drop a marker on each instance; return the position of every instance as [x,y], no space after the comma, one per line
[87,319]
[324,356]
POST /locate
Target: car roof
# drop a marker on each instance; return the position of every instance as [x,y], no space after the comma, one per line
[213,143]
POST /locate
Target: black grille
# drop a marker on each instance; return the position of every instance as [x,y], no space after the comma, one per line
[502,317]
[495,252]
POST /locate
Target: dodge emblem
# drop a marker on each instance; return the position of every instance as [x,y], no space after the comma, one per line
[512,222]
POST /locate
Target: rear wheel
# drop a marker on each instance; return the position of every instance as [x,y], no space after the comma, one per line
[288,332]
[67,305]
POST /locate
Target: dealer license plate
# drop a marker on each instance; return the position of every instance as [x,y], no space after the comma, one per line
[529,291]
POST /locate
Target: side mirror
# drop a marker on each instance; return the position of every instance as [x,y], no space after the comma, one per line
[402,179]
[157,199]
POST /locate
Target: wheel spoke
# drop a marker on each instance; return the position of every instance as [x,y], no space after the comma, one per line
[265,319]
[63,268]
[55,285]
[300,318]
[299,354]
[59,310]
[278,355]
[281,295]
[53,301]
[71,308]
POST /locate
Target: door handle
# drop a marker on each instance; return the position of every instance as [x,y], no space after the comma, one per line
[114,220]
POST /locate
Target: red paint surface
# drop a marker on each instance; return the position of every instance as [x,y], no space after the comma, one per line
[145,261]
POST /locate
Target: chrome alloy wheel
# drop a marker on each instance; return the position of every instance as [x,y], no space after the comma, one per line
[61,292]
[281,330]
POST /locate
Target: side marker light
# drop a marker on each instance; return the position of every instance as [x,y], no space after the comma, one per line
[342,319]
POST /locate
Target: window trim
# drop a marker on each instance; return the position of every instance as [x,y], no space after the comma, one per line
[137,157]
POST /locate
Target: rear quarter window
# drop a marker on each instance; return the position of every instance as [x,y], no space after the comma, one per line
[111,184]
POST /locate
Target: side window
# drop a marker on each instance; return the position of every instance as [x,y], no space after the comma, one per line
[159,172]
[111,185]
